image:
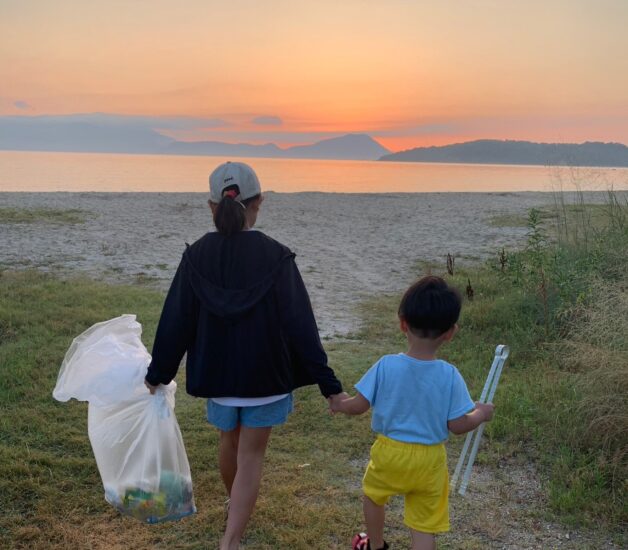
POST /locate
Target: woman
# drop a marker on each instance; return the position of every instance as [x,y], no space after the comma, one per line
[239,308]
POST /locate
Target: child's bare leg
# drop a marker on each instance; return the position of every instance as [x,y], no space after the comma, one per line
[422,541]
[251,449]
[374,516]
[228,456]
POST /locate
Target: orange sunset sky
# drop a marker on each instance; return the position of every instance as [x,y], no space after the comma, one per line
[408,73]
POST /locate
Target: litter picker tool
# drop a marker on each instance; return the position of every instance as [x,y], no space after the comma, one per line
[501,354]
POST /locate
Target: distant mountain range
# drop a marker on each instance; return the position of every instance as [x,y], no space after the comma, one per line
[349,147]
[96,133]
[491,151]
[109,133]
[103,133]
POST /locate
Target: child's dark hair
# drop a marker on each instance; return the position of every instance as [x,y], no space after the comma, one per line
[229,217]
[430,307]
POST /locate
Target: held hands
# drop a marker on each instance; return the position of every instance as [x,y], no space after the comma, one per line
[335,402]
[152,389]
[341,402]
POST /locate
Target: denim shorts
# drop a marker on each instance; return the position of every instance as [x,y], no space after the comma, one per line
[260,416]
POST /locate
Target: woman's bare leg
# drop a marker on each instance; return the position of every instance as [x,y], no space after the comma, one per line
[251,449]
[228,456]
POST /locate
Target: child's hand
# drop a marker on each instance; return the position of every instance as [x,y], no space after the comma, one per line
[483,412]
[335,401]
[487,409]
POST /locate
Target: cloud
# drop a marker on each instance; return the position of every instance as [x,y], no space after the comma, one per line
[267,121]
[21,105]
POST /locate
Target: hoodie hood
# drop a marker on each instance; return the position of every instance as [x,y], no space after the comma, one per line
[231,303]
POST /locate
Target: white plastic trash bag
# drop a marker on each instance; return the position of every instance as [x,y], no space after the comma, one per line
[134,435]
[104,365]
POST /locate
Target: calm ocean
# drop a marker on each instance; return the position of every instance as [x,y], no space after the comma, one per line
[35,171]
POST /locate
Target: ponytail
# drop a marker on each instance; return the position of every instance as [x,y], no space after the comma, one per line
[229,217]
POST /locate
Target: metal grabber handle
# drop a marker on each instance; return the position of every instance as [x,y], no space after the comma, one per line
[501,354]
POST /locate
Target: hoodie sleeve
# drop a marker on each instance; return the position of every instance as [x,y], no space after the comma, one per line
[176,329]
[298,324]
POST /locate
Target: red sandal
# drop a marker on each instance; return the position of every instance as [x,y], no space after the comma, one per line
[360,542]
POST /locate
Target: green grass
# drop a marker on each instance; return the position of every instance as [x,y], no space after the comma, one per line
[51,495]
[42,215]
[508,220]
[593,215]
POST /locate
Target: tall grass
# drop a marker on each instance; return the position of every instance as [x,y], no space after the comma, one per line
[574,272]
[596,350]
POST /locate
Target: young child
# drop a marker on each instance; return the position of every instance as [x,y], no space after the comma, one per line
[416,399]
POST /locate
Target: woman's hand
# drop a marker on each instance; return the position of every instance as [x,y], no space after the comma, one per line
[152,389]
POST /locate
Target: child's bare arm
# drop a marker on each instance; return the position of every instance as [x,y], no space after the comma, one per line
[483,412]
[357,404]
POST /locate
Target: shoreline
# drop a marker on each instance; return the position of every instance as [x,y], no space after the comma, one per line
[323,159]
[316,192]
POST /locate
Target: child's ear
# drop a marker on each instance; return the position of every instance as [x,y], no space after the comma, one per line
[403,325]
[447,336]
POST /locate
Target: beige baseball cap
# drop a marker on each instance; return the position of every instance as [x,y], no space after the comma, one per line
[233,173]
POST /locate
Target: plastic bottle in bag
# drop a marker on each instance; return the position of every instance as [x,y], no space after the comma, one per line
[135,437]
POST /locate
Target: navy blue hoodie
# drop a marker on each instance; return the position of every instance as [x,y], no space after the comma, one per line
[239,308]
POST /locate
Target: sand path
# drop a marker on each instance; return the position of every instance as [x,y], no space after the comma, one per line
[348,246]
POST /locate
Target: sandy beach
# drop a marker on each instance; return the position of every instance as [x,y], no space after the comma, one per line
[348,246]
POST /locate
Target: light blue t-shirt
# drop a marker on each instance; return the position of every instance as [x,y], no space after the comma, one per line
[412,400]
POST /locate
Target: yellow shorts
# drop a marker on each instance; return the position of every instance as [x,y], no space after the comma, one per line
[417,471]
